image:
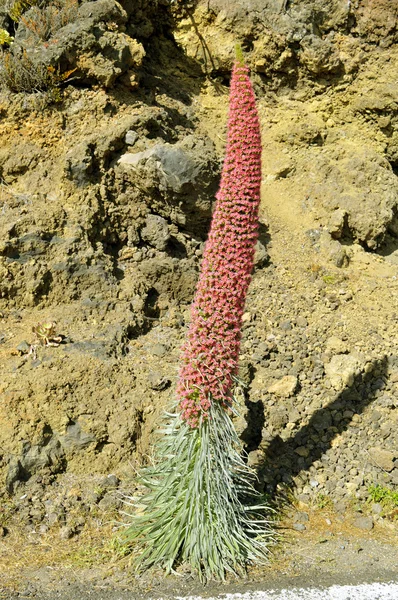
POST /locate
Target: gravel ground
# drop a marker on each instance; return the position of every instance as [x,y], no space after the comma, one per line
[330,550]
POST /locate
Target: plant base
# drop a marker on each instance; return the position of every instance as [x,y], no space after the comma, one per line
[201,505]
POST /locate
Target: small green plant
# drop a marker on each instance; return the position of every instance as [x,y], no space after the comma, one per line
[116,548]
[87,556]
[323,501]
[5,38]
[386,497]
[19,7]
[329,279]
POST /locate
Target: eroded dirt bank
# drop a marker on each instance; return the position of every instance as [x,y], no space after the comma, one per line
[105,200]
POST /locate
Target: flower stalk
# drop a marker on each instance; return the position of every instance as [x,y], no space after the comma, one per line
[210,355]
[202,507]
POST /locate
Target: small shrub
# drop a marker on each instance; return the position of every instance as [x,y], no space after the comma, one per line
[44,22]
[382,495]
[20,74]
[323,501]
[41,19]
[330,279]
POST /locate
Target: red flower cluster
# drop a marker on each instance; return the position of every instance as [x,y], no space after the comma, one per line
[210,355]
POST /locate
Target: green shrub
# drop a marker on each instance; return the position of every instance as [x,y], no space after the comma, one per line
[42,19]
[382,495]
[323,501]
[20,74]
[387,498]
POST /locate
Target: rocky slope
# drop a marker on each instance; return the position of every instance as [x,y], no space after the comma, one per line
[105,200]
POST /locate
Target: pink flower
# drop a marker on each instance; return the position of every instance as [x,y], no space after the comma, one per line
[210,354]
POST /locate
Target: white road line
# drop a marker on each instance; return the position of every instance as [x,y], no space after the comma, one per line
[372,591]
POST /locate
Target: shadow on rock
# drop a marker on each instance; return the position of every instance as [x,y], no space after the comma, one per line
[284,460]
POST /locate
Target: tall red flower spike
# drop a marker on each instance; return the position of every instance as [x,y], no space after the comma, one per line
[210,355]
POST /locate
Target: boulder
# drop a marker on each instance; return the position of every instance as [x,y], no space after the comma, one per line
[156,232]
[180,180]
[383,458]
[341,370]
[284,387]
